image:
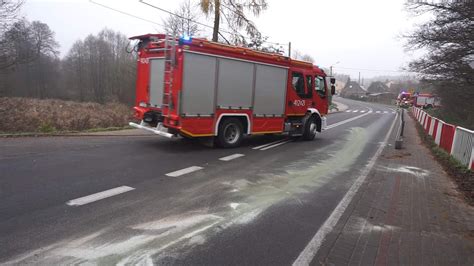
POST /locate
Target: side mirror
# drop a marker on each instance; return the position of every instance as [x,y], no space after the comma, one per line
[333,80]
[333,89]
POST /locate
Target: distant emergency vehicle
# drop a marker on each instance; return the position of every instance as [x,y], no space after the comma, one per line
[425,100]
[404,99]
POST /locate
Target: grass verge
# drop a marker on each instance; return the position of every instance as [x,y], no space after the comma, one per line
[449,117]
[60,133]
[26,116]
[463,177]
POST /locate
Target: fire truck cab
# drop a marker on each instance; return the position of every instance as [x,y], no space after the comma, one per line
[197,88]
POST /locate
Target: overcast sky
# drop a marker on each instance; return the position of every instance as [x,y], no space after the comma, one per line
[363,36]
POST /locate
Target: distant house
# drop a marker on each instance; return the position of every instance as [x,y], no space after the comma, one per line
[352,89]
[377,87]
[382,97]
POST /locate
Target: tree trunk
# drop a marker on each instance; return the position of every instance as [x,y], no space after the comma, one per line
[217,17]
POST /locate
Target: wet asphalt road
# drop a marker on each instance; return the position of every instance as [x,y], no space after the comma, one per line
[262,207]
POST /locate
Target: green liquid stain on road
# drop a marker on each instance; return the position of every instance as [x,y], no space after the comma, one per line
[244,202]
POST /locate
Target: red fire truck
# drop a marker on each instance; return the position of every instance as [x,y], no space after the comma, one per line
[196,88]
[425,100]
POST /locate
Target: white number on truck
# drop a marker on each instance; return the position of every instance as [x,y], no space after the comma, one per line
[299,102]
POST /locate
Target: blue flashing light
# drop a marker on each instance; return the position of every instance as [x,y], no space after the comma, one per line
[185,39]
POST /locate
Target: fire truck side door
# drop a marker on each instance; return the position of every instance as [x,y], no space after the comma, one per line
[321,94]
[298,94]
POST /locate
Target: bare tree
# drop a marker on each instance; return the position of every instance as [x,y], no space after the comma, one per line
[259,43]
[184,23]
[298,55]
[448,39]
[9,10]
[234,14]
[99,69]
[29,62]
[25,42]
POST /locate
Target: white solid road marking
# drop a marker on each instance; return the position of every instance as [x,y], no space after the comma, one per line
[345,121]
[184,171]
[307,255]
[231,157]
[99,196]
[275,145]
[268,144]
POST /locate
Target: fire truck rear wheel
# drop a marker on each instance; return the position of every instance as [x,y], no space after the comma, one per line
[230,133]
[310,129]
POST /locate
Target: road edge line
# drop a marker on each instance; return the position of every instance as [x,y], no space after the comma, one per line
[308,253]
[345,121]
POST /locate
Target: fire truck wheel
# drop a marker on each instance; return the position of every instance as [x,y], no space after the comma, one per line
[310,129]
[230,133]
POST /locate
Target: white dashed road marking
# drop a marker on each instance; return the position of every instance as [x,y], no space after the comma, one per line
[345,121]
[184,171]
[355,111]
[231,157]
[385,112]
[99,196]
[377,112]
[348,111]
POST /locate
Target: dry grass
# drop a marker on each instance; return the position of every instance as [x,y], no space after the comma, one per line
[51,115]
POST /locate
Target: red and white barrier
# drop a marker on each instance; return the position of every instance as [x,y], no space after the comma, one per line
[458,141]
[437,133]
[447,137]
[463,145]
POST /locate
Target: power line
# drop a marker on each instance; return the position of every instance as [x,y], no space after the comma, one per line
[376,70]
[197,22]
[125,13]
[233,11]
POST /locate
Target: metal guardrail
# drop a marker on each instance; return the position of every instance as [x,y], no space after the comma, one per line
[457,141]
[463,145]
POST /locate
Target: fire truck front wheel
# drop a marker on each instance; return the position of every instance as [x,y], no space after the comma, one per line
[310,128]
[230,133]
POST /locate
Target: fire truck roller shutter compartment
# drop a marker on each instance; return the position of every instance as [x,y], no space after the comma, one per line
[270,90]
[235,84]
[157,72]
[199,81]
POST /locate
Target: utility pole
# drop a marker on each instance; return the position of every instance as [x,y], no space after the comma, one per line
[359,78]
[289,49]
[330,67]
